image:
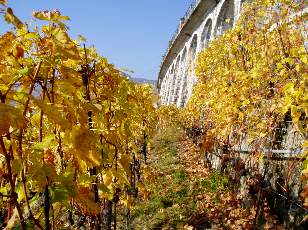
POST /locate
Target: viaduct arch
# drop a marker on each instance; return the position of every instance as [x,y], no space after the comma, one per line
[204,20]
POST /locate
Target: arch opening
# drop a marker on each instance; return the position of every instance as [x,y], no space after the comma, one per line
[206,33]
[225,19]
[176,82]
[193,48]
[182,78]
[171,75]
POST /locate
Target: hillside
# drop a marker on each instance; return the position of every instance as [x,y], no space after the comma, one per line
[144,81]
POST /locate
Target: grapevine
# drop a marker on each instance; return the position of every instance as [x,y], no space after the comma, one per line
[253,80]
[71,128]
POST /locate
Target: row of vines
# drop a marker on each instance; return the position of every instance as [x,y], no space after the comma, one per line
[73,130]
[253,80]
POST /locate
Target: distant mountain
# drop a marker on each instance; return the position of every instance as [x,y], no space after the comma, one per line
[138,80]
[144,81]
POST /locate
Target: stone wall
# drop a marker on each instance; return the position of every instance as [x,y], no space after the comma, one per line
[273,173]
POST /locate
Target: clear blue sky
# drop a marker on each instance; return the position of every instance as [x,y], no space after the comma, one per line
[132,34]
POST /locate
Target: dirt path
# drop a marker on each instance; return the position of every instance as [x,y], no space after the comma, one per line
[191,159]
[186,195]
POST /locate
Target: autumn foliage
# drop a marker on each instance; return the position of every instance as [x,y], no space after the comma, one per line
[72,127]
[253,79]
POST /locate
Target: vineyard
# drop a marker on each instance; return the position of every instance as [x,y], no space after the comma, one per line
[84,147]
[73,129]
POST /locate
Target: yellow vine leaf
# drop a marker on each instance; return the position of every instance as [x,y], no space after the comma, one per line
[84,145]
[107,178]
[60,35]
[12,19]
[10,116]
[84,200]
[54,15]
[125,162]
[3,2]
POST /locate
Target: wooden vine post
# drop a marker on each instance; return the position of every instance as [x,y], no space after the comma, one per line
[87,72]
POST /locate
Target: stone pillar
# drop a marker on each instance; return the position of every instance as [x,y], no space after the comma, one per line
[182,82]
[166,89]
[175,89]
[169,88]
[237,10]
[163,90]
[180,85]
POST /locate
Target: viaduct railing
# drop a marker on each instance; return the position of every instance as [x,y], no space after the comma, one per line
[184,20]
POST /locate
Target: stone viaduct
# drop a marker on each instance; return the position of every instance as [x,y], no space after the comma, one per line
[204,20]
